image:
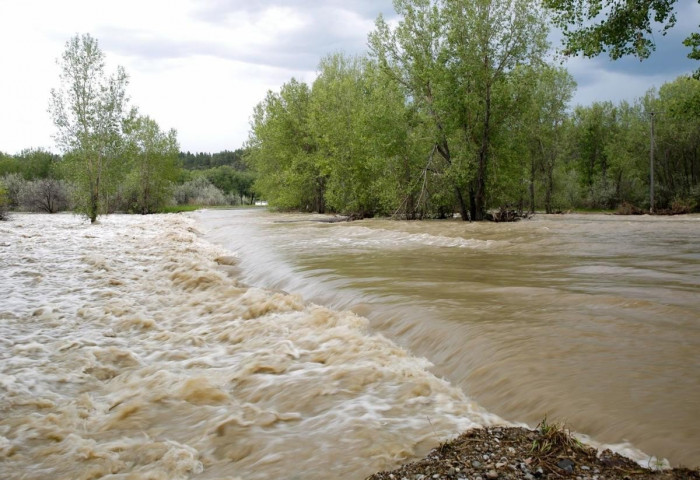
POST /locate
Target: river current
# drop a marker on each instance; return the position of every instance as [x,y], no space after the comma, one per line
[245,344]
[593,320]
[130,350]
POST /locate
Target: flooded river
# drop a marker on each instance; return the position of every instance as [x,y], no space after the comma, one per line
[245,344]
[589,319]
[129,350]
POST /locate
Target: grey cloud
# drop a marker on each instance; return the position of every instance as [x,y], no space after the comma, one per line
[327,32]
[220,10]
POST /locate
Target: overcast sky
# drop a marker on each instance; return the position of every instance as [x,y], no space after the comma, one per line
[200,66]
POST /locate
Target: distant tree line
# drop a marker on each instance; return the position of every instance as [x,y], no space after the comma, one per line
[113,158]
[227,171]
[39,181]
[455,110]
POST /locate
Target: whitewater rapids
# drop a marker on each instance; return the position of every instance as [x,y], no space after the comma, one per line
[129,349]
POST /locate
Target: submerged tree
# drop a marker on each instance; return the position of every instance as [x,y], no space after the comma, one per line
[88,110]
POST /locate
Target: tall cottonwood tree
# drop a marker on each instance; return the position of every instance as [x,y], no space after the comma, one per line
[453,58]
[88,110]
[543,126]
[360,125]
[413,54]
[488,40]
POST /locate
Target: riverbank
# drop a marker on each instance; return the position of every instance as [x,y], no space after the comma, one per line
[508,453]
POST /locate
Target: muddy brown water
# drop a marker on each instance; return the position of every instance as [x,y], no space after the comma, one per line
[129,350]
[250,345]
[589,319]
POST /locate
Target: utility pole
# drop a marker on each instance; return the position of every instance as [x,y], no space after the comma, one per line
[651,165]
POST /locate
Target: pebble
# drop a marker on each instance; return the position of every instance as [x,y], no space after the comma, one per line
[585,467]
[492,474]
[511,450]
[485,457]
[566,465]
[476,464]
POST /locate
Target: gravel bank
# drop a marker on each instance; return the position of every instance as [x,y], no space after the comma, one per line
[548,452]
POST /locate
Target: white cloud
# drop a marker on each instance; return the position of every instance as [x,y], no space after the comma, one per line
[200,66]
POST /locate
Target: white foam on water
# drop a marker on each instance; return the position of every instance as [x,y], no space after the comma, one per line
[128,351]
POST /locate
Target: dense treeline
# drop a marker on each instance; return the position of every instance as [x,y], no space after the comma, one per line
[40,181]
[227,171]
[203,160]
[455,110]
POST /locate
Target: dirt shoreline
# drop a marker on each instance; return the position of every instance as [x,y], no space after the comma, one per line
[548,452]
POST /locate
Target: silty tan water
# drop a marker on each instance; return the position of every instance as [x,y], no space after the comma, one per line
[130,350]
[589,319]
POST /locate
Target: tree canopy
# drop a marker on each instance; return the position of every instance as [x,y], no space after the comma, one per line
[88,110]
[618,27]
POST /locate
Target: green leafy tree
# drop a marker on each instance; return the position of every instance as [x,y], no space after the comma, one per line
[454,59]
[357,123]
[282,150]
[543,127]
[4,202]
[489,40]
[88,110]
[154,167]
[413,56]
[9,164]
[37,163]
[592,27]
[677,140]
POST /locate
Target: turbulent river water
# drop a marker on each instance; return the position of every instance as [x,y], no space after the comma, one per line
[136,349]
[589,319]
[130,350]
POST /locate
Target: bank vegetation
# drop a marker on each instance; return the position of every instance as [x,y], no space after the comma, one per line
[460,108]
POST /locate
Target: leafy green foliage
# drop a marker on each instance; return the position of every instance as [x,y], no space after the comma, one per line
[88,110]
[283,150]
[199,191]
[592,27]
[232,182]
[619,27]
[30,164]
[454,61]
[4,202]
[203,161]
[153,158]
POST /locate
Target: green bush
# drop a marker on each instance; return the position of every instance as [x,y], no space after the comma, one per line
[4,202]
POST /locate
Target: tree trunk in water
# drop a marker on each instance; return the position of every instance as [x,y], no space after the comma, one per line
[480,197]
[472,202]
[532,185]
[93,207]
[462,205]
[319,200]
[548,189]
